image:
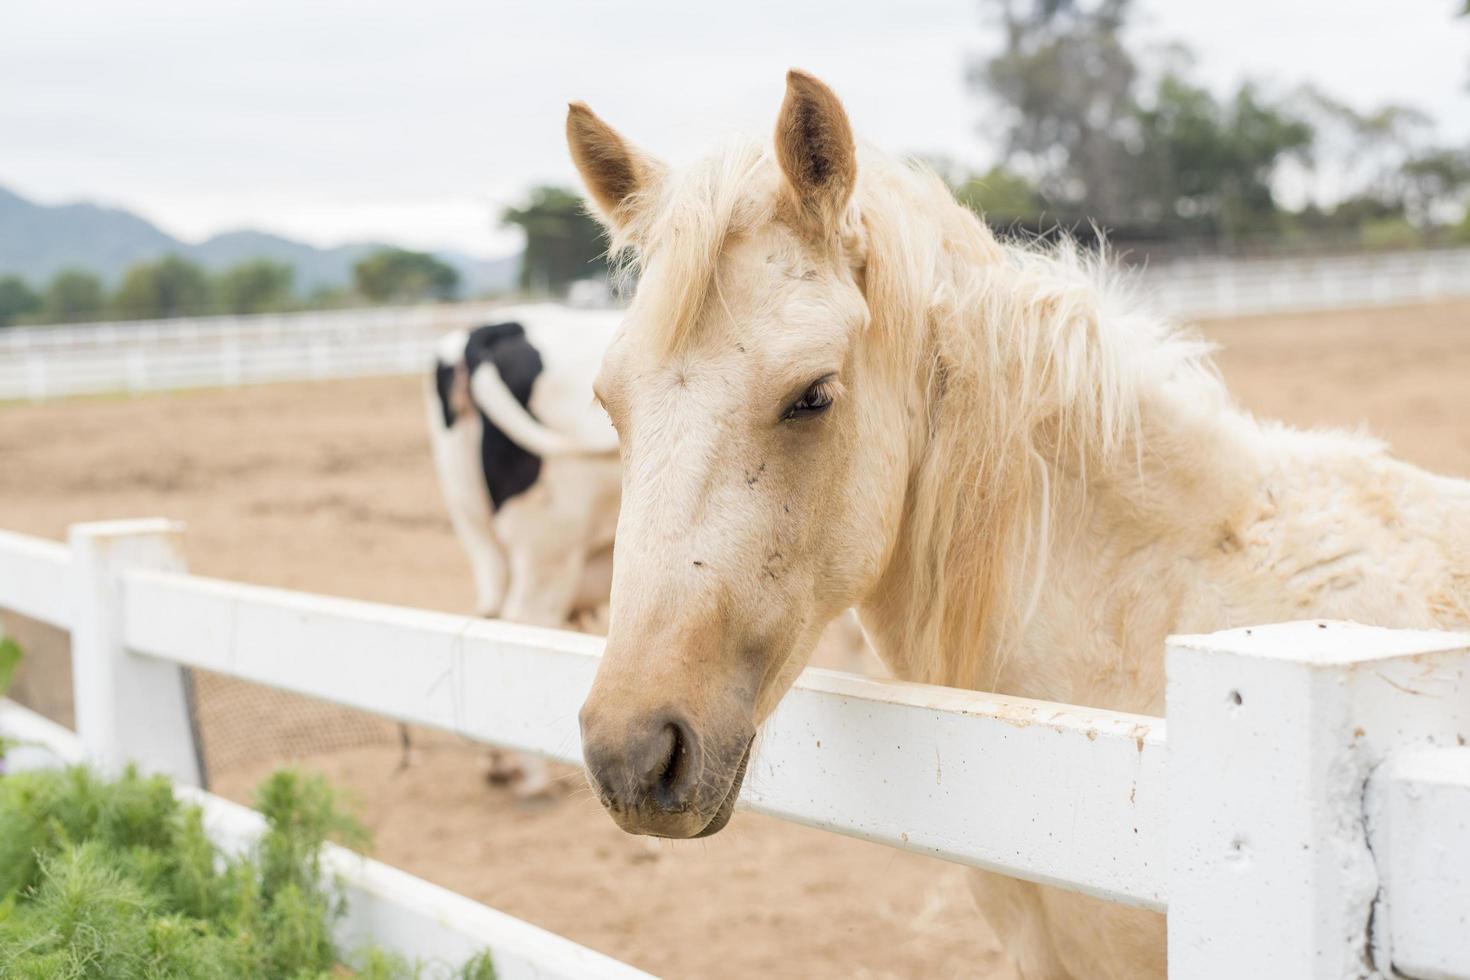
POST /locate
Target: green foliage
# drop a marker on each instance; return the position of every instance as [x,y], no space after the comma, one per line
[1210,165]
[1000,196]
[1394,232]
[1432,177]
[563,242]
[169,287]
[399,276]
[1460,233]
[258,286]
[72,295]
[1064,87]
[10,655]
[17,300]
[1078,117]
[117,880]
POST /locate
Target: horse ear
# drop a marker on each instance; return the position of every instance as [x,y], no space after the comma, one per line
[613,170]
[814,146]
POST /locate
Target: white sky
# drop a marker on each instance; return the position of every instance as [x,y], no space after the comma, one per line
[415,122]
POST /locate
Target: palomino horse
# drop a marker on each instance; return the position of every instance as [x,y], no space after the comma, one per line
[835,387]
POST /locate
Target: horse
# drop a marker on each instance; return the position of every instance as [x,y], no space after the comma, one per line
[529,472]
[835,386]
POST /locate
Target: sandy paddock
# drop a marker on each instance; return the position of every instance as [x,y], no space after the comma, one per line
[329,487]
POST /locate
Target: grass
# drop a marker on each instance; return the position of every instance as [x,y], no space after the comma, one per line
[118,880]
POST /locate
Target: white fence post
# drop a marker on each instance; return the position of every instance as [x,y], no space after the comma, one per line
[1419,828]
[1273,733]
[129,708]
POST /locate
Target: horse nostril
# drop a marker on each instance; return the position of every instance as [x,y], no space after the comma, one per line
[668,777]
[658,770]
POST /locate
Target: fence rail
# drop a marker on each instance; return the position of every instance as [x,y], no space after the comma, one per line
[156,355]
[1239,287]
[1251,818]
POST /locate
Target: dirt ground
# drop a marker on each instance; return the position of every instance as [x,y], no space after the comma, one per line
[329,487]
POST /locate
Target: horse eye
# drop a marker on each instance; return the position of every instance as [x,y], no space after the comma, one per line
[814,401]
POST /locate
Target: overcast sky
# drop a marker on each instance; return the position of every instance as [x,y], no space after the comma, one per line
[416,122]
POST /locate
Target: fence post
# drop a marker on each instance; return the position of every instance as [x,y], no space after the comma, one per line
[1419,829]
[129,708]
[1273,733]
[36,386]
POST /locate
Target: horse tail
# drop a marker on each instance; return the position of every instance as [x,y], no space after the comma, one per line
[507,414]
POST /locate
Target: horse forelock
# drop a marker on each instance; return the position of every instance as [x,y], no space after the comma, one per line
[674,244]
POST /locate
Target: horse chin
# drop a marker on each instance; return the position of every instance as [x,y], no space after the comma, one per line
[727,805]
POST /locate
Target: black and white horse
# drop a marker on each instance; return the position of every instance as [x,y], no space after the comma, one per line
[529,468]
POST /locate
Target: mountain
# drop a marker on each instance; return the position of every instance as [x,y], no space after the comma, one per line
[38,240]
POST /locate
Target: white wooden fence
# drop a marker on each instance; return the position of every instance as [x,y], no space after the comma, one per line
[195,352]
[1306,816]
[47,362]
[1237,287]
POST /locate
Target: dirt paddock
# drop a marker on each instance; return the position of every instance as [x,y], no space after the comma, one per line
[329,487]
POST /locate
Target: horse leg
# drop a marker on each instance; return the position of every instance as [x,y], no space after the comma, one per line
[1105,940]
[1017,915]
[544,580]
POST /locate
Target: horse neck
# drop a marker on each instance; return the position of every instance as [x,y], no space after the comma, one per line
[993,503]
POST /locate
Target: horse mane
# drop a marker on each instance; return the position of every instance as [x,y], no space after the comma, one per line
[1038,359]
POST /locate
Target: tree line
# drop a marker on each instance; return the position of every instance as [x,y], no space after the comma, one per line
[173,286]
[1096,133]
[1094,130]
[563,244]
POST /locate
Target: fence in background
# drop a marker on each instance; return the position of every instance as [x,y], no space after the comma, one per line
[1238,287]
[199,352]
[1305,817]
[47,362]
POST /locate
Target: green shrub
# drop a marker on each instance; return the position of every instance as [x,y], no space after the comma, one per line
[1389,233]
[117,880]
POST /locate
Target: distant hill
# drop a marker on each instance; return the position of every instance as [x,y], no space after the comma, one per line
[38,240]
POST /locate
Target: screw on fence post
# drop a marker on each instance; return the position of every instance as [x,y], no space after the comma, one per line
[129,707]
[1273,733]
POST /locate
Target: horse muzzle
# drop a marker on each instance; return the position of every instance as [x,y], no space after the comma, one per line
[659,777]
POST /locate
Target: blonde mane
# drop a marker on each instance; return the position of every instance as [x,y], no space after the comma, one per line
[1037,359]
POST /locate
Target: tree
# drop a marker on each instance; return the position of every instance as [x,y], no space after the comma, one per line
[563,242]
[399,276]
[257,286]
[1001,197]
[169,287]
[17,299]
[1209,167]
[1436,182]
[1461,232]
[1064,82]
[1370,146]
[72,295]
